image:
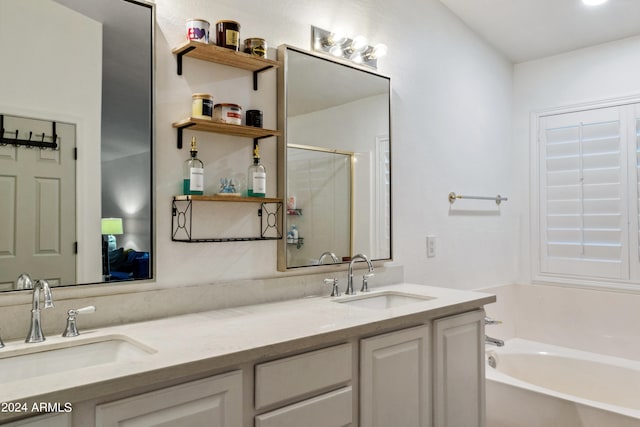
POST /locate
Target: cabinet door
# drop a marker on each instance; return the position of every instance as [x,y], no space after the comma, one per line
[459,383]
[212,402]
[395,379]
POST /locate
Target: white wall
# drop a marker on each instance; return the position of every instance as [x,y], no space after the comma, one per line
[598,73]
[451,121]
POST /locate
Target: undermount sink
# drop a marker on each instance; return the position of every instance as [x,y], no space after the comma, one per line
[382,300]
[45,359]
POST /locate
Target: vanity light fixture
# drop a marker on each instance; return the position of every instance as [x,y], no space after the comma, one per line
[356,49]
[593,2]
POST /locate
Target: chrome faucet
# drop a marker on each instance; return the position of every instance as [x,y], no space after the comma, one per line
[494,341]
[35,331]
[333,256]
[364,258]
[24,282]
[335,291]
[487,338]
[72,328]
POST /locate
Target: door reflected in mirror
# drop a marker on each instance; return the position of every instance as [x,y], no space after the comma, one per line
[335,153]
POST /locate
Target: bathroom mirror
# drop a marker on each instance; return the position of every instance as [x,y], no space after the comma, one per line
[334,159]
[87,66]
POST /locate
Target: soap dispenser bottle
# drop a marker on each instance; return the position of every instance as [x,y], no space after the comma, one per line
[193,183]
[257,179]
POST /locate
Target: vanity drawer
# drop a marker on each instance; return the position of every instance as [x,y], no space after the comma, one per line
[330,409]
[302,375]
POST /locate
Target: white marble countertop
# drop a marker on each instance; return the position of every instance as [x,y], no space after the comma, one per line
[198,343]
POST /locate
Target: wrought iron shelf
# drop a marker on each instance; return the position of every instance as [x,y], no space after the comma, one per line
[223,128]
[270,214]
[224,56]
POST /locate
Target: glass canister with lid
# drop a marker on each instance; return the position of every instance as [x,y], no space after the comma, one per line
[256,46]
[202,106]
[228,34]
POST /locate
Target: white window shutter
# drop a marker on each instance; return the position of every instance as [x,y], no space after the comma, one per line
[583,194]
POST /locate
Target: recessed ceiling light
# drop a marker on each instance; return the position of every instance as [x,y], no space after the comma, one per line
[593,2]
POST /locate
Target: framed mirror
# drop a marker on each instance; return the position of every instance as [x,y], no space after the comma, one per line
[334,160]
[82,78]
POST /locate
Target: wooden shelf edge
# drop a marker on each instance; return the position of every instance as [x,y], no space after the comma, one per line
[216,198]
[225,128]
[224,56]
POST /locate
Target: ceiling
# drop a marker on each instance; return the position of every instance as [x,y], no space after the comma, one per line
[530,29]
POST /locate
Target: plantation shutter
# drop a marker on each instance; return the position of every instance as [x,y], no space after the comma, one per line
[583,194]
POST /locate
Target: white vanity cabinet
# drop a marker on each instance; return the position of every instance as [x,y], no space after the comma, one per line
[312,389]
[210,402]
[395,379]
[419,365]
[459,382]
[49,420]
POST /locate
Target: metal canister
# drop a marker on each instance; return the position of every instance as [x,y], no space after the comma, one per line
[202,106]
[228,34]
[198,30]
[254,118]
[227,113]
[256,46]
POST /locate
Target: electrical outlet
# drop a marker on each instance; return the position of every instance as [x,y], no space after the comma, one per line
[431,246]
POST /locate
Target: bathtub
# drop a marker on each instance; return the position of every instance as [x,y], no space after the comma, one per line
[532,384]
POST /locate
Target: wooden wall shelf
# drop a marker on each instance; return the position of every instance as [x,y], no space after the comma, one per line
[223,128]
[224,56]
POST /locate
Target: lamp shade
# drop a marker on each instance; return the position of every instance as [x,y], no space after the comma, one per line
[112,226]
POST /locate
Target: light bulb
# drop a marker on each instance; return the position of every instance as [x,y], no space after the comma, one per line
[336,51]
[379,51]
[593,2]
[357,58]
[359,43]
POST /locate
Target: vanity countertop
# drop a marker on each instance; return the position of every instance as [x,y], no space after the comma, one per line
[196,344]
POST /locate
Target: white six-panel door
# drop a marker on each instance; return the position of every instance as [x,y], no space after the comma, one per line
[37,209]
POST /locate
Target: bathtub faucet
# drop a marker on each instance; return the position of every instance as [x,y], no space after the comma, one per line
[491,321]
[487,338]
[494,341]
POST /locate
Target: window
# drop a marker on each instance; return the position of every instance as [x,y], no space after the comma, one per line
[587,192]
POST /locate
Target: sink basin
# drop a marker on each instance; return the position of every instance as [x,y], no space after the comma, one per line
[45,359]
[382,300]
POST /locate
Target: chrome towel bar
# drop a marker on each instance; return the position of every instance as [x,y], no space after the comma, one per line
[498,199]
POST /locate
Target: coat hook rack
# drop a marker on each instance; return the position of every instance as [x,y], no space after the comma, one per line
[498,199]
[29,143]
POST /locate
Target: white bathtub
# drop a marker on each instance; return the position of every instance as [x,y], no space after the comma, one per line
[540,385]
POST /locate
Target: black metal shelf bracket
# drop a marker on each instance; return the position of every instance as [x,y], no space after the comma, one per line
[255,75]
[30,142]
[179,58]
[181,54]
[180,129]
[270,215]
